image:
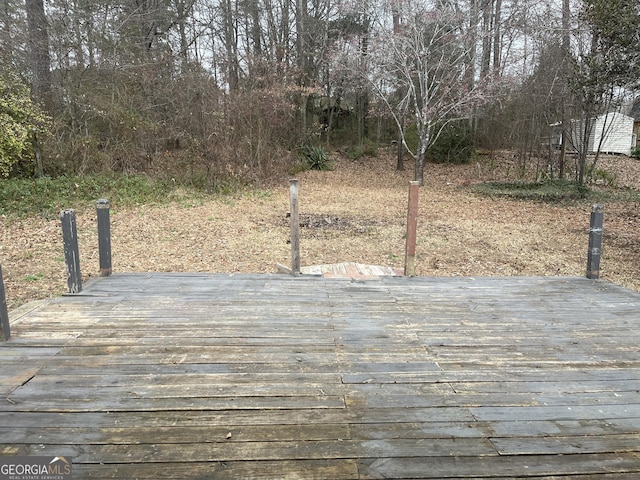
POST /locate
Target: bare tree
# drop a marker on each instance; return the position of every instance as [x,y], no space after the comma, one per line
[423,69]
[566,50]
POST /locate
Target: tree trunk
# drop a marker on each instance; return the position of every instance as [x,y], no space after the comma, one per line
[401,116]
[301,53]
[487,28]
[6,21]
[589,107]
[255,27]
[400,151]
[566,121]
[77,30]
[362,111]
[301,60]
[419,169]
[583,150]
[362,99]
[230,40]
[470,68]
[497,39]
[423,144]
[183,11]
[282,49]
[38,152]
[39,53]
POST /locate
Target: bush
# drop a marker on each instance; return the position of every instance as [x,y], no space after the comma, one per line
[46,196]
[602,177]
[454,145]
[635,153]
[297,167]
[367,149]
[20,119]
[315,157]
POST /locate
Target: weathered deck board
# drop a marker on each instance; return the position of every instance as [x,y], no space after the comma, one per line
[156,376]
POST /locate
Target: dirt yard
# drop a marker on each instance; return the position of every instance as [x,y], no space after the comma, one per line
[356,213]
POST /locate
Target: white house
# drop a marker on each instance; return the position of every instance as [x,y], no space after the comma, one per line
[611,132]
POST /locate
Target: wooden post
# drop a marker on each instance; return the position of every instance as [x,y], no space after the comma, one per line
[104,236]
[295,226]
[71,251]
[595,242]
[412,227]
[4,313]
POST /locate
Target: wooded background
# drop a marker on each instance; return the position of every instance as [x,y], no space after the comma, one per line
[210,90]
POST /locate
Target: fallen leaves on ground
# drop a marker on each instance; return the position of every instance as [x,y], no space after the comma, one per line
[354,213]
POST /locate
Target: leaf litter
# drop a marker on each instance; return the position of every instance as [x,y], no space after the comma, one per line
[354,213]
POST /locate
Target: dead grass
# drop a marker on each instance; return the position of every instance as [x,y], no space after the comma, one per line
[353,213]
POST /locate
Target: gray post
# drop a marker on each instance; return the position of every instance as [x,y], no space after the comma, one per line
[295,226]
[4,313]
[104,236]
[412,228]
[595,242]
[71,251]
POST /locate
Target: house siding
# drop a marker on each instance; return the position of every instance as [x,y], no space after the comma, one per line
[612,132]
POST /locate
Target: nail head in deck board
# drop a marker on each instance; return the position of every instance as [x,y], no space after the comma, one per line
[408,378]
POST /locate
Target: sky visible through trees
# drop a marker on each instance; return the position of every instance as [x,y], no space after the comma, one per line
[213,89]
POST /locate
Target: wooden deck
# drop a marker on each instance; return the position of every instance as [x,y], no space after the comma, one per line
[196,376]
